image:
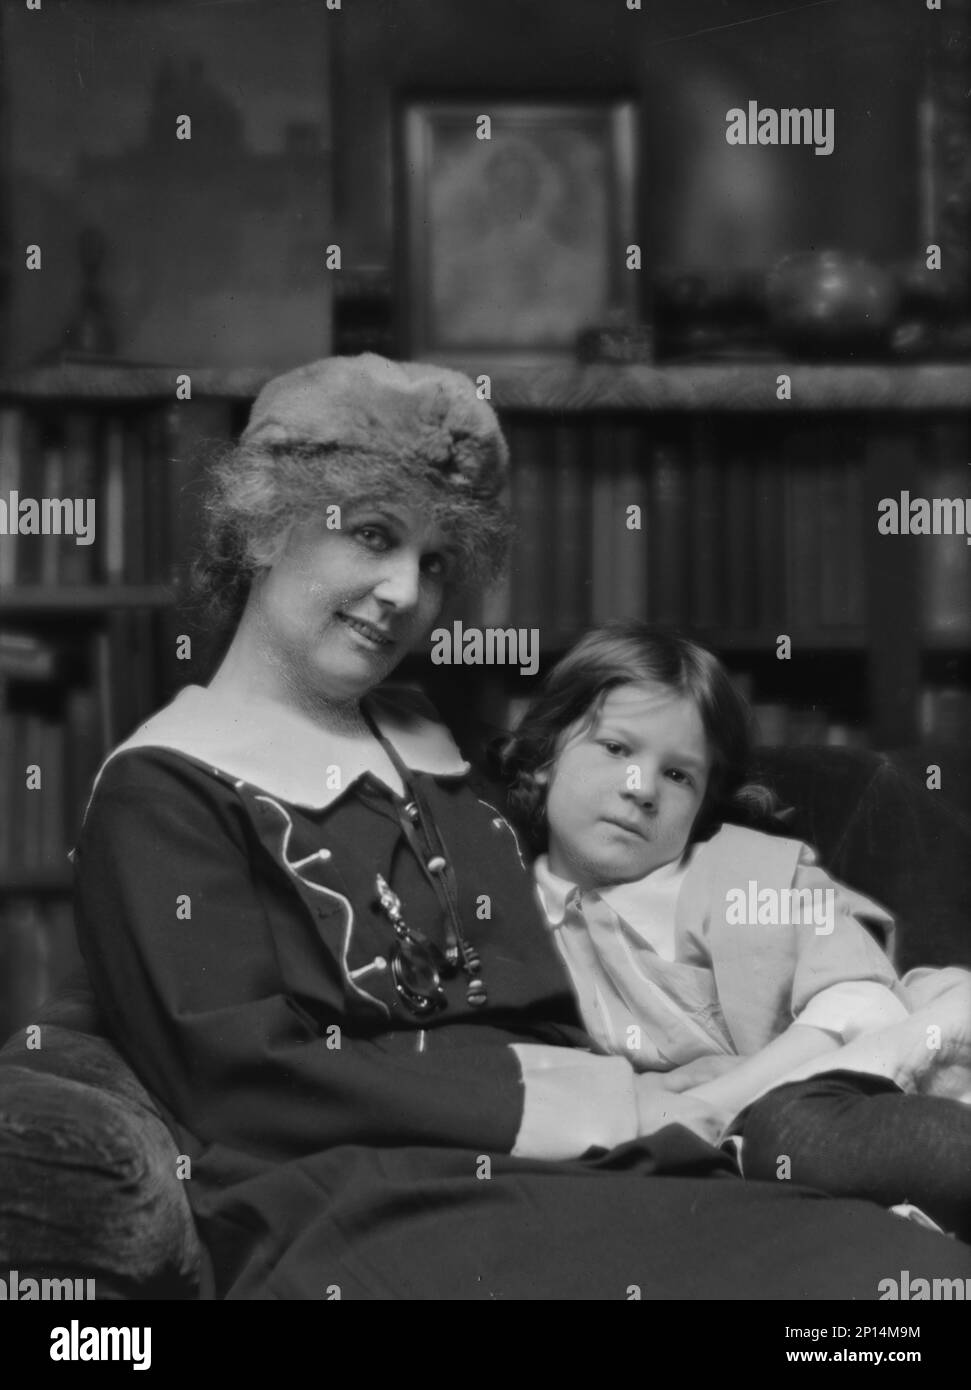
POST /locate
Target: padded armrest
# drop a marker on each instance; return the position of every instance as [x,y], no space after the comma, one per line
[88,1177]
[882,830]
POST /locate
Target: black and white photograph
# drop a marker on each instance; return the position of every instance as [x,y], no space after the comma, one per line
[485,666]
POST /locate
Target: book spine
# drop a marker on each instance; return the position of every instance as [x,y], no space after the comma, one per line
[770,541]
[8,755]
[29,548]
[705,527]
[632,509]
[18,793]
[123,674]
[53,798]
[24,977]
[856,548]
[741,581]
[840,529]
[113,551]
[34,792]
[108,722]
[669,573]
[158,541]
[81,484]
[84,754]
[570,531]
[53,547]
[137,519]
[143,650]
[945,575]
[801,522]
[10,473]
[605,523]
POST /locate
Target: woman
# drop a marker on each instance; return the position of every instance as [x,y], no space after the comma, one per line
[320,950]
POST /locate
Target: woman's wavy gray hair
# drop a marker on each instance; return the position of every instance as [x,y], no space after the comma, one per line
[348,430]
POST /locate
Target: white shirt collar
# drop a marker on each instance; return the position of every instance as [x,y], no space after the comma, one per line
[636,902]
[282,751]
[553,891]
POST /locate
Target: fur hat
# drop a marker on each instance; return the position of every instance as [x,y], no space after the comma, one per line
[425,420]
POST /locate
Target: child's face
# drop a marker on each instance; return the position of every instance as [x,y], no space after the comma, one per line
[623,795]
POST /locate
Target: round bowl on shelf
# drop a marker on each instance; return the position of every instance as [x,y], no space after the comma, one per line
[831,304]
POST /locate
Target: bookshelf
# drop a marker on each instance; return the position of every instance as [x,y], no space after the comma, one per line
[87,630]
[926,387]
[762,524]
[92,598]
[757,519]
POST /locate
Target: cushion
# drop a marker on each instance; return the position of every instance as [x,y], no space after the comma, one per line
[88,1185]
[878,826]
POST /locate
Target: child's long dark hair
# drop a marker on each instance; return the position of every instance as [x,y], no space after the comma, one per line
[632,653]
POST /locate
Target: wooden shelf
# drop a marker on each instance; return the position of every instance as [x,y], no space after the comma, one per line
[104,383]
[751,640]
[725,387]
[88,598]
[566,386]
[837,639]
[36,880]
[959,642]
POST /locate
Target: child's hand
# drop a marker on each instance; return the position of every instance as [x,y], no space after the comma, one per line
[657,1107]
[695,1073]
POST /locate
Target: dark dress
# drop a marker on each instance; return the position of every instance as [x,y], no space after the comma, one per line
[341,1147]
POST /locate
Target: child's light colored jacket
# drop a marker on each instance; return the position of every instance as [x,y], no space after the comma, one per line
[762,936]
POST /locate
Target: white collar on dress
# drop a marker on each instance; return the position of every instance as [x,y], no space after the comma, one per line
[282,751]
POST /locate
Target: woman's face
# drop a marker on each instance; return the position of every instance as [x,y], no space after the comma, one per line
[340,608]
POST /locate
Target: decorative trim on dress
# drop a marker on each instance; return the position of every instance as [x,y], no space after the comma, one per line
[293,868]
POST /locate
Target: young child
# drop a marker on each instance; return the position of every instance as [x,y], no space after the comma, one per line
[720,957]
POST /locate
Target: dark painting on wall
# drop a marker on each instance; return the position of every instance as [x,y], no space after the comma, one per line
[518,216]
[210,233]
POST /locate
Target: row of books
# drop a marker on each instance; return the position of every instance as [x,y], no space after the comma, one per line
[676,524]
[38,948]
[119,462]
[48,766]
[715,534]
[944,717]
[60,712]
[777,725]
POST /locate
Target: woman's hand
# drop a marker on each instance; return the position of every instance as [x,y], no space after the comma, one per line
[657,1107]
[697,1072]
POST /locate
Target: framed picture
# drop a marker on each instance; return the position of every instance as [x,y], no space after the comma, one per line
[517,218]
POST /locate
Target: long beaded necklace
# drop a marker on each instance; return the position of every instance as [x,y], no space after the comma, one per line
[417,821]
